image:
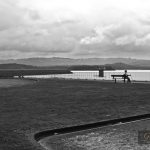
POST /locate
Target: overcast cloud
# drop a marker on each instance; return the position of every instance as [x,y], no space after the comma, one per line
[74,28]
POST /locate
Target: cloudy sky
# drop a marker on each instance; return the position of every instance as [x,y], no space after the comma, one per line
[74,28]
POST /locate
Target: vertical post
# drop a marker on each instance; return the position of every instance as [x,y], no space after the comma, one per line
[115,80]
[101,72]
[125,75]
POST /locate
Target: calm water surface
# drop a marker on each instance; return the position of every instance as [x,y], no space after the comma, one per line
[136,75]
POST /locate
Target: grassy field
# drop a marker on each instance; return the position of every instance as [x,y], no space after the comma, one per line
[5,83]
[54,103]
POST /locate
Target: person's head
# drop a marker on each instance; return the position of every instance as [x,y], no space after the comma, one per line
[125,71]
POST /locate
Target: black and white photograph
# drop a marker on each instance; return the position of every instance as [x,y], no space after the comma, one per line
[74,74]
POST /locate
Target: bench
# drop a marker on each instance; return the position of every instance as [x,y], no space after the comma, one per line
[115,76]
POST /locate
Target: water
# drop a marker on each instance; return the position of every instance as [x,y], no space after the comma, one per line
[136,75]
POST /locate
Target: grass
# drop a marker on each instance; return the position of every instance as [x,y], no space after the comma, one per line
[50,104]
[5,83]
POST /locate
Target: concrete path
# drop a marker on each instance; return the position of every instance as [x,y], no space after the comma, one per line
[117,137]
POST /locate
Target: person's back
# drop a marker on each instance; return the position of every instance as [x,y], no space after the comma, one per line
[126,76]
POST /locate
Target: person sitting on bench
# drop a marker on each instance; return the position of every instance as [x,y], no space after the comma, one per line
[126,76]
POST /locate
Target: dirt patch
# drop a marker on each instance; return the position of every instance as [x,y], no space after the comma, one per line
[5,83]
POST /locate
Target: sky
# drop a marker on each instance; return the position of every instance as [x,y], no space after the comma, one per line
[74,28]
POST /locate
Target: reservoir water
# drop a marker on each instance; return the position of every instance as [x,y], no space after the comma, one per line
[136,75]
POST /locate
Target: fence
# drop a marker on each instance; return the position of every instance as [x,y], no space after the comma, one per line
[136,75]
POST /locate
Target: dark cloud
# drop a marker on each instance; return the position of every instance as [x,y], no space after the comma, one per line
[34,15]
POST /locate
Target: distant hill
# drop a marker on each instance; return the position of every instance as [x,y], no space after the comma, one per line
[16,66]
[78,67]
[57,61]
[115,66]
[119,66]
[91,67]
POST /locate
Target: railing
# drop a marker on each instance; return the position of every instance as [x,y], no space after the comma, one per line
[137,75]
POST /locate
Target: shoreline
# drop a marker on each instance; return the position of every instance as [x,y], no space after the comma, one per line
[98,80]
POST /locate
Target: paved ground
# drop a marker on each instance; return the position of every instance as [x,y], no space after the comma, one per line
[4,83]
[119,137]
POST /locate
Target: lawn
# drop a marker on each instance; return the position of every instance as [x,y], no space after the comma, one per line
[54,103]
[5,83]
